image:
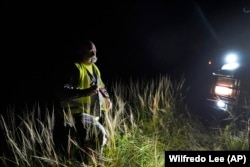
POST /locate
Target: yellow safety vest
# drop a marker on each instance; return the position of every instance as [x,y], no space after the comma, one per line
[82,104]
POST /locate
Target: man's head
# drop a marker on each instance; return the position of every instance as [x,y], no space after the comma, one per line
[87,52]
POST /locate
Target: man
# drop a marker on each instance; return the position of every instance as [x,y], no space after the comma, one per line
[83,98]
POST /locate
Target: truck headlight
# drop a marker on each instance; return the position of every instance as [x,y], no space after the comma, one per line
[223,91]
[221,104]
[231,60]
[226,87]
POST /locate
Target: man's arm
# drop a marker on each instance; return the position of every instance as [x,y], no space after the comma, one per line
[104,92]
[68,90]
[70,93]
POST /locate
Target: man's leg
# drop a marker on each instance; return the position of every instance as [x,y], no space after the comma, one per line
[96,135]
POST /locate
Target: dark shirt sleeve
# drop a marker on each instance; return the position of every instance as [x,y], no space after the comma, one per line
[67,88]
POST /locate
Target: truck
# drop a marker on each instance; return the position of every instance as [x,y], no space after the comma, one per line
[229,88]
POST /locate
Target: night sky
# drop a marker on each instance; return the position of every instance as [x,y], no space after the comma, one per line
[133,39]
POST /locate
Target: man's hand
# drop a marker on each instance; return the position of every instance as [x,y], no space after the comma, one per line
[93,90]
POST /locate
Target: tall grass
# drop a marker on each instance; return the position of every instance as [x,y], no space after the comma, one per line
[148,118]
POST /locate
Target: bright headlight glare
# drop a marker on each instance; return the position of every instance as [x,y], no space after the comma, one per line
[221,104]
[230,66]
[223,91]
[231,58]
